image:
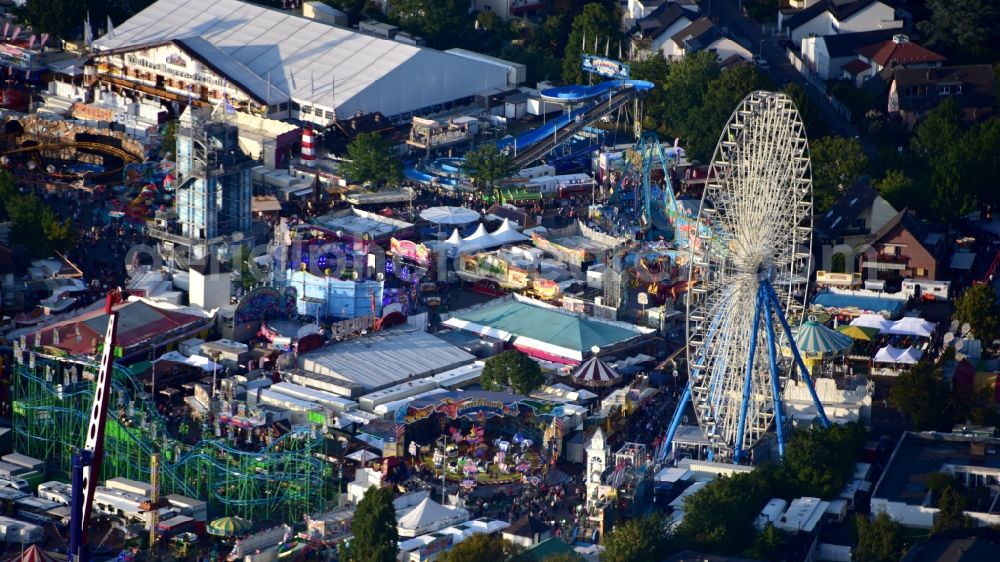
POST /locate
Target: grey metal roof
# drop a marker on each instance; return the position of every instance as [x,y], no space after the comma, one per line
[386,358]
[313,62]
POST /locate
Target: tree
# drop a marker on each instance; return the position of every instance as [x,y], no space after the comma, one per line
[488,166]
[480,546]
[719,517]
[684,89]
[921,395]
[836,164]
[820,460]
[443,23]
[64,18]
[811,117]
[966,28]
[512,369]
[34,226]
[370,159]
[654,68]
[880,540]
[637,539]
[951,511]
[374,529]
[938,141]
[767,545]
[897,188]
[722,96]
[169,143]
[596,24]
[978,308]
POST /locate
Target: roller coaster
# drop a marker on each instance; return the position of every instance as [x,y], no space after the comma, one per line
[277,482]
[123,155]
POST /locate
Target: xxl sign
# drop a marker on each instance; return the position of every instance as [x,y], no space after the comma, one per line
[605,67]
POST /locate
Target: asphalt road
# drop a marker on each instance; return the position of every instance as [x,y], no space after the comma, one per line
[782,71]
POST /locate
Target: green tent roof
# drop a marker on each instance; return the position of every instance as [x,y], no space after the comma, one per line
[550,325]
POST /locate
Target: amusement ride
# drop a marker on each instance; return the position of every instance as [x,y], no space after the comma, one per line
[748,278]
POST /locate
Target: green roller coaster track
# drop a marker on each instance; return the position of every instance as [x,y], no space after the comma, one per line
[52,398]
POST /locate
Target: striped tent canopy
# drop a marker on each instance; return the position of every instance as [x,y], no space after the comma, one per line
[32,554]
[595,372]
[859,332]
[228,527]
[815,339]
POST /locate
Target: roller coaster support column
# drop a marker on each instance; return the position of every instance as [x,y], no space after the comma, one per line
[676,422]
[772,356]
[798,357]
[748,379]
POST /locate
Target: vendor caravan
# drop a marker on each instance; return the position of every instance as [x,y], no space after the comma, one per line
[162,67]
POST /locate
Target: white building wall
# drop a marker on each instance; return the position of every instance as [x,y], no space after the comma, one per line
[819,25]
[664,42]
[876,16]
[209,291]
[726,48]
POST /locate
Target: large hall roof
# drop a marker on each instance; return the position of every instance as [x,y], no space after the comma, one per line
[313,62]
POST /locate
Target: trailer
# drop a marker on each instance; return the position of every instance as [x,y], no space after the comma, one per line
[321,397]
[169,528]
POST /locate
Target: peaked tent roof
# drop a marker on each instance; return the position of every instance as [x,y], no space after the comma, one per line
[912,326]
[813,338]
[544,327]
[31,554]
[595,372]
[427,512]
[876,321]
[888,354]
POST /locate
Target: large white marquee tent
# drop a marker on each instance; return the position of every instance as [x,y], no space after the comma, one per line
[313,63]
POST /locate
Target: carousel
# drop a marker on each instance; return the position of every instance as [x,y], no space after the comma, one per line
[481,438]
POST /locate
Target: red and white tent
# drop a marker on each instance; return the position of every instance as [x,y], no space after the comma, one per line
[595,372]
[31,554]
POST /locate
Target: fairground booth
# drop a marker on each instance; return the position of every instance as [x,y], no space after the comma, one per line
[481,438]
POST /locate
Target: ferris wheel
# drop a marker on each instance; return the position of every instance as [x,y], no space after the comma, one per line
[749,274]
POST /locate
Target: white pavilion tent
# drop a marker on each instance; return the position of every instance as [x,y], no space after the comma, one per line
[873,321]
[912,326]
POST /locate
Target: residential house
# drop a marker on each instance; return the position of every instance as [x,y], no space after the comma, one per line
[915,91]
[703,35]
[898,52]
[902,249]
[660,26]
[831,17]
[826,55]
[509,8]
[858,213]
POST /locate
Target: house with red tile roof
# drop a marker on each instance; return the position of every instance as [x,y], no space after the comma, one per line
[898,52]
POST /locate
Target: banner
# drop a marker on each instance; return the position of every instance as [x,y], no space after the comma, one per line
[605,67]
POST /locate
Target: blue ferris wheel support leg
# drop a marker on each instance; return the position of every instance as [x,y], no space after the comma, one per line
[676,422]
[798,357]
[748,379]
[772,355]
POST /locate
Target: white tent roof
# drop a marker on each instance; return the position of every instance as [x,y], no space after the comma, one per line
[455,239]
[427,512]
[910,355]
[313,62]
[449,215]
[204,363]
[912,326]
[872,321]
[888,354]
[479,233]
